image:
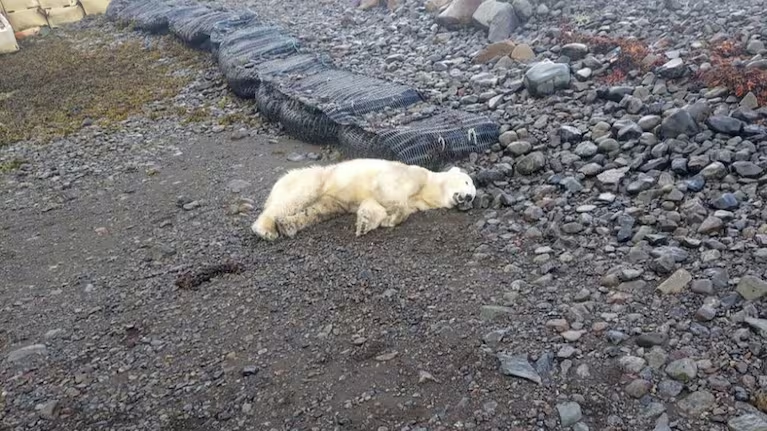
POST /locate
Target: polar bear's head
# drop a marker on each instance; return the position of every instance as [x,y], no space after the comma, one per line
[457,188]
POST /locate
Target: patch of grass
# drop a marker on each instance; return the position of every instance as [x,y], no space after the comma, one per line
[55,83]
[11,165]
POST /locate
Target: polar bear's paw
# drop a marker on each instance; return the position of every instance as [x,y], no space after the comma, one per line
[369,217]
[263,230]
[287,227]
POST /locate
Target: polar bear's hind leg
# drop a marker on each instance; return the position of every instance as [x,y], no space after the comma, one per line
[370,214]
[290,195]
[325,208]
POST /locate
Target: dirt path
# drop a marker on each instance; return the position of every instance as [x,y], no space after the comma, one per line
[325,330]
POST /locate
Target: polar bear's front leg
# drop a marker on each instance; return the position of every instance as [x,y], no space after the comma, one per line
[370,214]
[325,208]
[397,215]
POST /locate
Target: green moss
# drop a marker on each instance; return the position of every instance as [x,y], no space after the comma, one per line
[11,165]
[57,82]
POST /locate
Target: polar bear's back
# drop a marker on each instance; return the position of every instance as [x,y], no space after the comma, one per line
[359,179]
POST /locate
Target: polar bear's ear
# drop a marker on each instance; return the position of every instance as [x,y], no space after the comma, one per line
[457,169]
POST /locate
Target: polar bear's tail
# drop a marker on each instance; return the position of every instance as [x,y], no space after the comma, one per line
[293,192]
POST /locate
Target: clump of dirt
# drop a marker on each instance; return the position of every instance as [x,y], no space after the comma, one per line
[193,279]
[60,81]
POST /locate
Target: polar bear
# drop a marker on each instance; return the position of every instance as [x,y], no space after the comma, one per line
[381,193]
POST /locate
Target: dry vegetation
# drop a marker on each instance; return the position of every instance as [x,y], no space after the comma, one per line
[725,73]
[57,82]
[629,54]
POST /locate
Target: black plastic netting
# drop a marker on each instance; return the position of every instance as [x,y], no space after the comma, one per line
[222,29]
[430,142]
[314,101]
[314,106]
[194,27]
[243,49]
[245,80]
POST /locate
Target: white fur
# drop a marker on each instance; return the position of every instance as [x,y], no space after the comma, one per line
[381,193]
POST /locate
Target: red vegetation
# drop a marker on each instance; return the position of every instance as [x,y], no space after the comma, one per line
[737,79]
[629,54]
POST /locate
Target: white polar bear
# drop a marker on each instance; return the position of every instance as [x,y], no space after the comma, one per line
[381,193]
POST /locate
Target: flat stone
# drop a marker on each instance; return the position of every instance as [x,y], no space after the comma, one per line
[27,351]
[751,287]
[492,312]
[697,403]
[676,283]
[546,77]
[748,422]
[522,52]
[569,413]
[494,50]
[682,370]
[518,366]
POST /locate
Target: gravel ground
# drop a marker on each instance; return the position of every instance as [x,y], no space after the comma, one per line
[611,276]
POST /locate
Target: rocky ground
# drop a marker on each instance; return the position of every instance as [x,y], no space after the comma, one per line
[611,276]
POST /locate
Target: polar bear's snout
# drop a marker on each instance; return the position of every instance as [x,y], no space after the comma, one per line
[463,198]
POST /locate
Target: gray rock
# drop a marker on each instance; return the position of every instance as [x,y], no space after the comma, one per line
[487,11]
[531,163]
[697,402]
[676,283]
[748,422]
[680,122]
[612,177]
[725,125]
[27,351]
[670,388]
[237,186]
[586,149]
[682,370]
[751,287]
[649,122]
[760,325]
[571,134]
[575,51]
[747,169]
[523,9]
[518,366]
[754,46]
[519,148]
[725,201]
[569,413]
[545,78]
[638,388]
[715,170]
[459,12]
[673,69]
[492,312]
[632,364]
[710,225]
[503,24]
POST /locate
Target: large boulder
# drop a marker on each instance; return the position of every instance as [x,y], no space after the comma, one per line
[503,24]
[494,50]
[487,11]
[546,77]
[681,122]
[458,13]
[523,8]
[436,5]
